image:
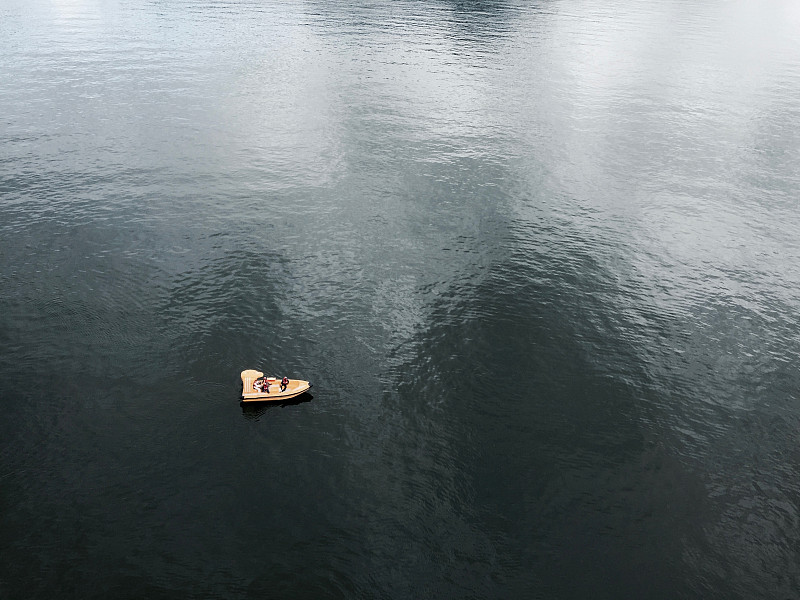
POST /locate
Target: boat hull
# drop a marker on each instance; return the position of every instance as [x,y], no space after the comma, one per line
[296,387]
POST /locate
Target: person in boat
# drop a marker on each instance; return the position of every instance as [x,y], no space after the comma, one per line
[284,384]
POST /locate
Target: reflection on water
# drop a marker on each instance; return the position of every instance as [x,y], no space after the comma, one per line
[540,262]
[255,410]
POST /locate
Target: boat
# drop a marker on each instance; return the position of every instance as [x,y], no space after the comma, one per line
[253,393]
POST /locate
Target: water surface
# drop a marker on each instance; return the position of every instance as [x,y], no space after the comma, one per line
[539,260]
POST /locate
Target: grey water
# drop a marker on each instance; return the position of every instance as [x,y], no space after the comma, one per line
[540,260]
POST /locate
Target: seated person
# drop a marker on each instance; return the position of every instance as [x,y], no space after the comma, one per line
[284,384]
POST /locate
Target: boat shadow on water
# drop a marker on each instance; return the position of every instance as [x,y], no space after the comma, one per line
[255,410]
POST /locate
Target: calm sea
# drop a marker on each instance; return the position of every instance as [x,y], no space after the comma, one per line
[540,260]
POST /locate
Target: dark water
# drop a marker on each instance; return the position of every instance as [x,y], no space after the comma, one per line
[539,259]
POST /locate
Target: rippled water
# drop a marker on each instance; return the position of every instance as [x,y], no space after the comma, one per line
[539,259]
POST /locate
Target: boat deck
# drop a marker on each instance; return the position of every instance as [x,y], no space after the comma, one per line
[295,388]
